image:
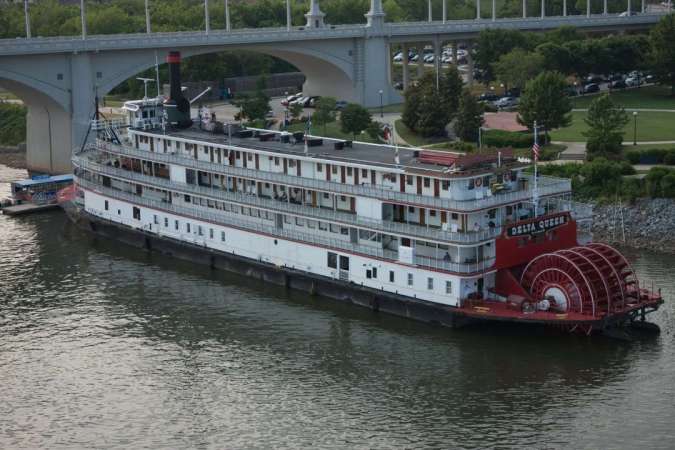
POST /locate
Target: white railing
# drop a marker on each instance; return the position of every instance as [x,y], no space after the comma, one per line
[249,225]
[246,199]
[547,185]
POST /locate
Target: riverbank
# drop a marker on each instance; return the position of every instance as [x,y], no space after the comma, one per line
[647,224]
[14,157]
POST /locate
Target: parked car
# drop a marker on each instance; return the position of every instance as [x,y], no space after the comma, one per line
[301,101]
[618,84]
[429,59]
[291,98]
[634,81]
[488,97]
[506,102]
[590,88]
[615,77]
[594,79]
[313,100]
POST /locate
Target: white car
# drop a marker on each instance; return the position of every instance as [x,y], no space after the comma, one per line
[633,81]
[398,57]
[429,59]
[506,102]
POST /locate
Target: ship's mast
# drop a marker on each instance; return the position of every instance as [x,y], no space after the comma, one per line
[535,188]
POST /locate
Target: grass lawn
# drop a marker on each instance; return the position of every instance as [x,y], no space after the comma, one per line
[415,139]
[648,97]
[332,131]
[395,108]
[651,126]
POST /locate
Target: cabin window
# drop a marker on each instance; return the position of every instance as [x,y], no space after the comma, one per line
[187,227]
[427,182]
[409,180]
[323,226]
[391,276]
[166,222]
[334,169]
[332,260]
[137,213]
[349,171]
[445,185]
[319,167]
[344,231]
[210,233]
[364,173]
[344,263]
[299,221]
[432,213]
[222,236]
[448,287]
[291,163]
[369,274]
[410,279]
[430,284]
[155,219]
[176,225]
[105,205]
[237,155]
[454,216]
[411,209]
[249,156]
[276,160]
[200,230]
[326,195]
[374,272]
[471,184]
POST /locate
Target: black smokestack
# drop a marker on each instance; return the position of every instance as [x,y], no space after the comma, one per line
[177,106]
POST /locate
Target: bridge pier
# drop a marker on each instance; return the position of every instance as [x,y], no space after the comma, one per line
[406,66]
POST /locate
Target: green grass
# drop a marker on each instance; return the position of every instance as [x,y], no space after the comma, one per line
[415,139]
[395,108]
[649,97]
[651,126]
[332,131]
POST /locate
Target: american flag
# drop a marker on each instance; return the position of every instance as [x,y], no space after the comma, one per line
[535,151]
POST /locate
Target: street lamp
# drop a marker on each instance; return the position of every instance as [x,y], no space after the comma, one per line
[381,103]
[635,114]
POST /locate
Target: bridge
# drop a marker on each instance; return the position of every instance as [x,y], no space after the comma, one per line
[58,78]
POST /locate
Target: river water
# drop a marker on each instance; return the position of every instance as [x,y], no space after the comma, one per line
[103,346]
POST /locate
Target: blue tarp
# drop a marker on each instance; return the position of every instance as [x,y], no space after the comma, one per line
[55,179]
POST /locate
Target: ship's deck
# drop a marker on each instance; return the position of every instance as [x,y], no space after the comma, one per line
[358,153]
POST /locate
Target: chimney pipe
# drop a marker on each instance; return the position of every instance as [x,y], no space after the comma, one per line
[177,106]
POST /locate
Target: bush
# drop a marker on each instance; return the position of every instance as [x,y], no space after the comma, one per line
[651,156]
[670,157]
[633,156]
[500,138]
[12,124]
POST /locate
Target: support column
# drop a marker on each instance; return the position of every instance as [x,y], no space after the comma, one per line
[469,59]
[543,9]
[376,14]
[227,15]
[604,7]
[288,15]
[437,60]
[445,11]
[406,67]
[494,10]
[642,7]
[83,19]
[564,8]
[315,17]
[477,9]
[430,11]
[420,60]
[455,47]
[525,9]
[147,18]
[588,8]
[630,13]
[207,19]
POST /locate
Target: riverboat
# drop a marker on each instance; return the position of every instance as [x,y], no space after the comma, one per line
[441,237]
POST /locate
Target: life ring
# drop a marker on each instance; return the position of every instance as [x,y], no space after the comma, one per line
[478,182]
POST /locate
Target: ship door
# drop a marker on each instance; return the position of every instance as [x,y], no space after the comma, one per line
[344,268]
[152,144]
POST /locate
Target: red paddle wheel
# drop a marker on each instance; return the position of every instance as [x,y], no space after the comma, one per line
[594,280]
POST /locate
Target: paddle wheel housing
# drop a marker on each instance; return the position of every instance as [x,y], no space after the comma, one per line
[594,280]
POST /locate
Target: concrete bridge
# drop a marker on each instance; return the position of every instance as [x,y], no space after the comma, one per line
[59,78]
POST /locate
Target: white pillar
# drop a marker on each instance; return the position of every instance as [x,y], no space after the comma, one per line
[564,8]
[588,8]
[604,7]
[524,9]
[431,15]
[207,19]
[630,13]
[494,10]
[543,8]
[315,16]
[376,14]
[27,17]
[445,11]
[288,15]
[227,16]
[642,7]
[83,19]
[477,9]
[148,29]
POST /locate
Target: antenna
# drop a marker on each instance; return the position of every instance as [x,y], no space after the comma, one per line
[145,85]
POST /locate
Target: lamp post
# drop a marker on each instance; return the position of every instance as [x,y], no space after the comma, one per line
[381,103]
[635,114]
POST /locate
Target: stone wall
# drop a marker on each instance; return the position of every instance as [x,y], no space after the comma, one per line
[647,224]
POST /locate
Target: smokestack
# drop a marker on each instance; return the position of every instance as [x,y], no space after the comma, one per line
[177,106]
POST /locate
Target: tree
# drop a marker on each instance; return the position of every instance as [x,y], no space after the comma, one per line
[354,119]
[662,56]
[296,110]
[557,57]
[469,117]
[545,102]
[431,104]
[493,43]
[606,122]
[253,107]
[325,111]
[517,67]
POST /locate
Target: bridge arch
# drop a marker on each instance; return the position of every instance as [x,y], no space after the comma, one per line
[327,71]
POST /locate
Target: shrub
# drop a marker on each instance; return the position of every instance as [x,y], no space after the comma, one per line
[670,157]
[633,156]
[500,138]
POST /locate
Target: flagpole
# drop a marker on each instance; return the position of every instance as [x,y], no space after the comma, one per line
[535,190]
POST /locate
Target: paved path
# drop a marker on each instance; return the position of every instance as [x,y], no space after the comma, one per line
[634,109]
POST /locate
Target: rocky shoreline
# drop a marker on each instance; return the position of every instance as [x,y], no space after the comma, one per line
[14,157]
[647,224]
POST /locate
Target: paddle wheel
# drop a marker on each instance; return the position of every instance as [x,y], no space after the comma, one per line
[594,280]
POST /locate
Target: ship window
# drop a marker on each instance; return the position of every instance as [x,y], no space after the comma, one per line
[166,222]
[187,227]
[200,231]
[334,169]
[276,160]
[344,231]
[319,167]
[334,228]
[119,212]
[250,156]
[344,263]
[176,225]
[410,279]
[369,274]
[427,182]
[326,195]
[299,222]
[332,260]
[430,284]
[311,224]
[432,213]
[106,206]
[391,276]
[448,287]
[471,184]
[287,219]
[136,213]
[222,236]
[343,198]
[492,213]
[411,209]
[155,219]
[237,155]
[455,216]
[323,226]
[291,163]
[349,171]
[409,180]
[210,233]
[445,185]
[206,150]
[364,173]
[374,272]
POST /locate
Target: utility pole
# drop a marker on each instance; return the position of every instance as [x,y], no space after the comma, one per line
[147,17]
[431,16]
[288,15]
[83,17]
[227,16]
[27,16]
[207,19]
[445,11]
